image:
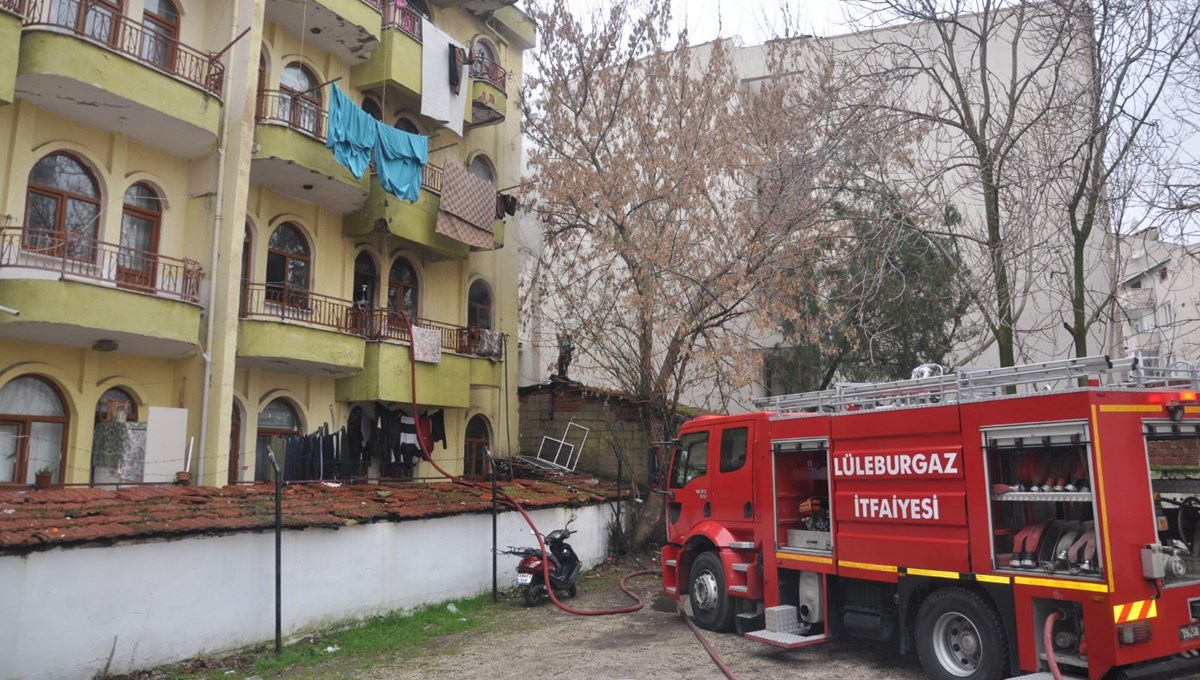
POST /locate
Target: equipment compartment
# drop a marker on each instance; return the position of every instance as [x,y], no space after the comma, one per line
[801,492]
[1042,516]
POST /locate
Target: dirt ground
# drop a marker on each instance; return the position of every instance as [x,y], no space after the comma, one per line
[545,642]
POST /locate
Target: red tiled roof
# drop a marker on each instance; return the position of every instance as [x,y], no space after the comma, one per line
[37,519]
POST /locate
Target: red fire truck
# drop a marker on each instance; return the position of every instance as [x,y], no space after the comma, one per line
[993,521]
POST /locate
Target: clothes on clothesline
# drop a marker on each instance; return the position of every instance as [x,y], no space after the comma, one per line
[351,133]
[400,158]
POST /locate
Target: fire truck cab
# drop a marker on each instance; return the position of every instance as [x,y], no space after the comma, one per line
[993,521]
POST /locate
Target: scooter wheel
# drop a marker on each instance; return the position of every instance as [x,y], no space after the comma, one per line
[572,592]
[534,594]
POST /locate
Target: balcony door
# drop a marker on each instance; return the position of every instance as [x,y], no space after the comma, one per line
[140,221]
[62,208]
[160,33]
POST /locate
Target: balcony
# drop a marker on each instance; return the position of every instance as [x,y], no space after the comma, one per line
[387,371]
[396,64]
[297,331]
[347,29]
[413,222]
[489,93]
[12,13]
[78,291]
[83,60]
[291,156]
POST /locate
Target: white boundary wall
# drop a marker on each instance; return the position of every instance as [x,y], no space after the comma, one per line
[165,601]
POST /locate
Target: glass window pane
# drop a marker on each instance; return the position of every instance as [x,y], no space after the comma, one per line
[297,79]
[81,217]
[63,172]
[287,239]
[142,196]
[42,212]
[278,415]
[163,9]
[137,233]
[30,397]
[45,449]
[733,448]
[9,433]
[276,265]
[297,273]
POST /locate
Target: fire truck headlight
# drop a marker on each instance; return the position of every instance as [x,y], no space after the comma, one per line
[1133,633]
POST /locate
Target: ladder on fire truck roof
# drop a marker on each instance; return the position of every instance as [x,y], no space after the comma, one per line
[973,384]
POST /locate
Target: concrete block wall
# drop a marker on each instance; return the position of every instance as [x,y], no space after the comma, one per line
[1175,453]
[547,412]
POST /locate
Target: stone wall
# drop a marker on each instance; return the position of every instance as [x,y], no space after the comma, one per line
[546,410]
[1175,453]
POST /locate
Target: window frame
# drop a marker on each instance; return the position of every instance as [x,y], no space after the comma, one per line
[61,230]
[475,460]
[22,474]
[284,292]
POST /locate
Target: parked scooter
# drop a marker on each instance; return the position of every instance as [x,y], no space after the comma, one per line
[563,564]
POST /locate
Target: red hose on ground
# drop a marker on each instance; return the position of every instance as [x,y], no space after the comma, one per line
[1048,643]
[712,652]
[426,454]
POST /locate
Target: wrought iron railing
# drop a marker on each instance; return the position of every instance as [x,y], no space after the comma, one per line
[104,24]
[299,113]
[82,257]
[15,6]
[489,71]
[289,303]
[404,20]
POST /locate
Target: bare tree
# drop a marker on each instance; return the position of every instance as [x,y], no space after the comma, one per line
[1042,111]
[676,198]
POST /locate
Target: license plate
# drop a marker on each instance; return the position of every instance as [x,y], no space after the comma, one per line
[1191,632]
[526,579]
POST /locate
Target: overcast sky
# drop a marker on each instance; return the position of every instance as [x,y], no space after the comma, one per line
[757,20]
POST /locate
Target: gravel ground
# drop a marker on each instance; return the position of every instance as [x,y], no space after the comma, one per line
[655,642]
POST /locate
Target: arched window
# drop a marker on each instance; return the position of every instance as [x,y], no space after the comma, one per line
[300,99]
[277,423]
[247,260]
[479,305]
[371,107]
[403,289]
[140,221]
[287,266]
[116,405]
[478,441]
[33,424]
[160,24]
[485,52]
[481,167]
[407,125]
[63,208]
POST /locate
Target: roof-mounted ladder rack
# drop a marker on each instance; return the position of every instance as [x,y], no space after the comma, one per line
[967,384]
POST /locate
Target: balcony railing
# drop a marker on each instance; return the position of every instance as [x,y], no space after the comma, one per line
[489,71]
[15,6]
[82,257]
[299,113]
[404,20]
[288,303]
[102,23]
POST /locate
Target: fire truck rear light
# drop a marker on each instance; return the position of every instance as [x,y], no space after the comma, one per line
[1133,633]
[1187,397]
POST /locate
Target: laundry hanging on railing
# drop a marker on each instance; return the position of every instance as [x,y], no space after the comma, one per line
[400,158]
[351,133]
[427,345]
[439,99]
[468,208]
[490,345]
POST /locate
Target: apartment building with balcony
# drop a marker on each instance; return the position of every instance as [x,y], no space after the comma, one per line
[1159,296]
[182,250]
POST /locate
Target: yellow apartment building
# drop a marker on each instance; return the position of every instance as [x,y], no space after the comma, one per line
[181,253]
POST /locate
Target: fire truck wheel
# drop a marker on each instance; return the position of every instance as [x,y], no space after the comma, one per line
[711,608]
[960,635]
